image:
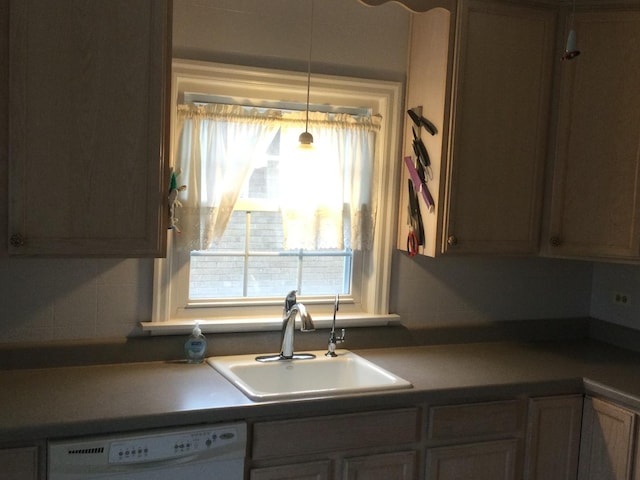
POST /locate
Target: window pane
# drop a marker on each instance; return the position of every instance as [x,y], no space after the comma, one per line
[233,239]
[266,232]
[216,276]
[272,276]
[264,181]
[325,275]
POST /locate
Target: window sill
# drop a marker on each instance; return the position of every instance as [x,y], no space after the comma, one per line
[263,324]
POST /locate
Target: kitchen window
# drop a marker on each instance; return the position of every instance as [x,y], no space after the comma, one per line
[232,270]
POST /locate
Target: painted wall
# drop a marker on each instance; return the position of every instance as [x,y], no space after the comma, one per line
[471,290]
[88,298]
[68,299]
[609,280]
[348,38]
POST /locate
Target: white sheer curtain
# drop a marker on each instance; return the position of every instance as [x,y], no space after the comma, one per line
[329,200]
[326,193]
[217,147]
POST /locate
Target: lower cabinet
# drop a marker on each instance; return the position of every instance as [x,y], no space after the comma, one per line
[607,444]
[396,465]
[380,445]
[475,461]
[19,463]
[553,438]
[479,441]
[385,466]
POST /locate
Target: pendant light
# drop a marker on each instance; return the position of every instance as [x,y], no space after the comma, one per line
[305,138]
[570,51]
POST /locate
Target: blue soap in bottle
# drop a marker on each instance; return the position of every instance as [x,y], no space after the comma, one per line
[195,348]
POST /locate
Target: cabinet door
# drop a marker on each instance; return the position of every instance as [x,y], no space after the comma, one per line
[429,87]
[595,204]
[553,438]
[500,115]
[606,443]
[396,466]
[477,461]
[19,463]
[88,105]
[301,471]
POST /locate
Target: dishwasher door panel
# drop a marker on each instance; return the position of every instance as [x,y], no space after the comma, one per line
[211,470]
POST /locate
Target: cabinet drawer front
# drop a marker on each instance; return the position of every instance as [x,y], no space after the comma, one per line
[475,421]
[332,433]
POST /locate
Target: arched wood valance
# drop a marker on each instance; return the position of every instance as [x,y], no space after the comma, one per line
[416,5]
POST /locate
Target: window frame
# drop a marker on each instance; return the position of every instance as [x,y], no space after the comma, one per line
[370,301]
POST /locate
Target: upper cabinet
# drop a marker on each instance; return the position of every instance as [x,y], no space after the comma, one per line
[88,106]
[482,75]
[595,208]
[500,117]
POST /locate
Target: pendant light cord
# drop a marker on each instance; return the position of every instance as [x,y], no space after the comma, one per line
[571,51]
[306,126]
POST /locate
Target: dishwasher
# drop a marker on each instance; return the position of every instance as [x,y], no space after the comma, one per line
[212,452]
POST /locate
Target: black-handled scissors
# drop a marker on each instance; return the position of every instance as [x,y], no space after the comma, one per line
[419,120]
[423,157]
[415,237]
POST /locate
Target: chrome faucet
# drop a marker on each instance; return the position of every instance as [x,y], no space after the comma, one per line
[292,308]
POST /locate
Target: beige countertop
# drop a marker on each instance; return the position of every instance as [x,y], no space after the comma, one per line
[37,404]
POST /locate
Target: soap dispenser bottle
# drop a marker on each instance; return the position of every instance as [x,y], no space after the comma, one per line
[195,347]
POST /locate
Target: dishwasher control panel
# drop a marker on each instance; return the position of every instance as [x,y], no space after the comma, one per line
[149,448]
[158,454]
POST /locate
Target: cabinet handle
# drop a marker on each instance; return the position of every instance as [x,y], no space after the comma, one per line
[555,241]
[452,240]
[17,240]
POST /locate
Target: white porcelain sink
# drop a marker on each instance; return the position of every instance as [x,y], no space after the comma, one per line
[320,376]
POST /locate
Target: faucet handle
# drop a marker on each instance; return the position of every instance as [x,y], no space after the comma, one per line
[290,300]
